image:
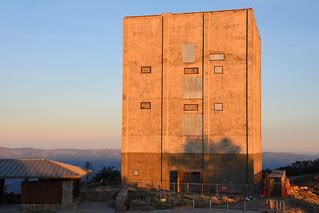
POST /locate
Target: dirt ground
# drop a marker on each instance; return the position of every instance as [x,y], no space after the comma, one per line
[195,211]
[84,207]
[95,207]
[252,206]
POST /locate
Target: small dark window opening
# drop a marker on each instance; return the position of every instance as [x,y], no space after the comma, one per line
[145,105]
[191,70]
[146,70]
[190,107]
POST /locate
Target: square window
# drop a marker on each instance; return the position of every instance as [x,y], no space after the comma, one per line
[191,70]
[218,70]
[135,173]
[218,107]
[146,70]
[190,107]
[145,105]
[217,57]
[189,53]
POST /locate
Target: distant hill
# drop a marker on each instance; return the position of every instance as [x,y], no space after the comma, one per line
[98,157]
[112,157]
[274,160]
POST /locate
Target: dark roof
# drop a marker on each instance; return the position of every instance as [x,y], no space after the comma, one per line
[38,168]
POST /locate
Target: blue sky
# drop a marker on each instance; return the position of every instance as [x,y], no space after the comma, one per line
[61,70]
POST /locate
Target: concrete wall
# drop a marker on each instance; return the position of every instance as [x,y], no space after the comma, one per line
[164,138]
[67,193]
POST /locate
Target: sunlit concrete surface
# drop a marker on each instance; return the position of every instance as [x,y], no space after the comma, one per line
[191,98]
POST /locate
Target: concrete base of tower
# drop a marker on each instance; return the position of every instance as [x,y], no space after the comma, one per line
[161,171]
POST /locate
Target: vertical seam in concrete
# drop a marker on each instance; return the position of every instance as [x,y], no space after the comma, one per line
[203,83]
[162,84]
[126,101]
[247,160]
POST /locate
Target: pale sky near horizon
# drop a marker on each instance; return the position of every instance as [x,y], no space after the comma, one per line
[61,70]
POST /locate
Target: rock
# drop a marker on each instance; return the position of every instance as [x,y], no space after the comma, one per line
[143,208]
[131,189]
[189,197]
[120,200]
[137,203]
[228,200]
[201,202]
[177,201]
[147,199]
[111,203]
[215,200]
[99,194]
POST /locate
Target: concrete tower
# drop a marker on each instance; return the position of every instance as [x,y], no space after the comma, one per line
[191,98]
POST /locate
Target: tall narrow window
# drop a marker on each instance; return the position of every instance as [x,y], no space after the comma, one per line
[145,105]
[217,57]
[218,69]
[192,124]
[218,106]
[191,70]
[146,70]
[189,53]
[191,87]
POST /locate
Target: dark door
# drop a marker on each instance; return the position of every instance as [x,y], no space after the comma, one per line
[173,181]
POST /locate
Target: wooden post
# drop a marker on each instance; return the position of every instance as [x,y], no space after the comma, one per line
[217,189]
[187,188]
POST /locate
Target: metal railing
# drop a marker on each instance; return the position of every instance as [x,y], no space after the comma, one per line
[196,188]
[210,188]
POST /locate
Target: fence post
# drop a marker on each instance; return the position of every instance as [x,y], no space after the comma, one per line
[231,188]
[227,207]
[193,203]
[187,185]
[246,190]
[210,204]
[277,206]
[217,189]
[202,189]
[282,205]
